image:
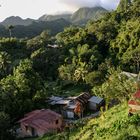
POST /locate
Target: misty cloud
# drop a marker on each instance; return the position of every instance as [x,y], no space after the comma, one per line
[108,4]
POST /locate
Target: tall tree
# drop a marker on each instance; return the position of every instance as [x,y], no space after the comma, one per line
[124,4]
[10,28]
[4,63]
[4,125]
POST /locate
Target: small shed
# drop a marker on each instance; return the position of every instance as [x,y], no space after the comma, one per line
[95,102]
[78,105]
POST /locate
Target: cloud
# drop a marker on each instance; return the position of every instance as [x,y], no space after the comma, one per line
[108,4]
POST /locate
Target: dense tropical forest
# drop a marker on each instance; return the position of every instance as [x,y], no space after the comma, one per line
[88,58]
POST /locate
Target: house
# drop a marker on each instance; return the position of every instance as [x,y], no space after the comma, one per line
[95,103]
[71,106]
[129,75]
[134,103]
[40,122]
[77,105]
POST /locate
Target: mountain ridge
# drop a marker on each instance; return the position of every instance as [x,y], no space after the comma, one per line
[16,20]
[81,16]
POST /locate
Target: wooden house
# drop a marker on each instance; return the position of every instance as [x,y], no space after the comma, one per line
[40,122]
[95,103]
[72,106]
[77,105]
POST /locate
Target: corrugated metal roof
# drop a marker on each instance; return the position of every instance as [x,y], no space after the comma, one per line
[83,97]
[63,102]
[40,118]
[95,99]
[55,98]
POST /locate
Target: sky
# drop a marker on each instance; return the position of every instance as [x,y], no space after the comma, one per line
[36,8]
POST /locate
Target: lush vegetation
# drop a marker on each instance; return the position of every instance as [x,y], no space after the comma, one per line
[30,28]
[35,28]
[89,58]
[113,124]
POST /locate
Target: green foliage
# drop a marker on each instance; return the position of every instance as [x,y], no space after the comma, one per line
[117,86]
[127,42]
[21,91]
[87,59]
[115,125]
[81,61]
[4,125]
[123,5]
[4,64]
[94,78]
[34,29]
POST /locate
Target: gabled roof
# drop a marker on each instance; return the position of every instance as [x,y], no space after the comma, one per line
[55,98]
[95,99]
[83,97]
[63,102]
[137,94]
[40,118]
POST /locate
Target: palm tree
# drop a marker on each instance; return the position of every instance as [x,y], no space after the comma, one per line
[10,27]
[136,60]
[4,63]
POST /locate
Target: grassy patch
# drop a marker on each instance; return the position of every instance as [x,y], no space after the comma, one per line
[113,124]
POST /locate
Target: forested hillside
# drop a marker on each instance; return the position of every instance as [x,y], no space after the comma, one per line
[35,28]
[81,16]
[28,28]
[88,58]
[15,20]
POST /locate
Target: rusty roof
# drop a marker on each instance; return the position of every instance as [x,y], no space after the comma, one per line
[40,118]
[83,97]
[133,102]
[137,94]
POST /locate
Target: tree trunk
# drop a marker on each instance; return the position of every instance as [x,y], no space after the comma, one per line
[10,33]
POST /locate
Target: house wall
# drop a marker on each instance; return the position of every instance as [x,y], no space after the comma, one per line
[70,114]
[51,127]
[27,130]
[93,106]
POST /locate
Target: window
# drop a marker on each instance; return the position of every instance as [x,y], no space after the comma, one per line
[26,128]
[56,121]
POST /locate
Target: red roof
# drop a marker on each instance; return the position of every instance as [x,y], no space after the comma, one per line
[40,118]
[137,94]
[133,102]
